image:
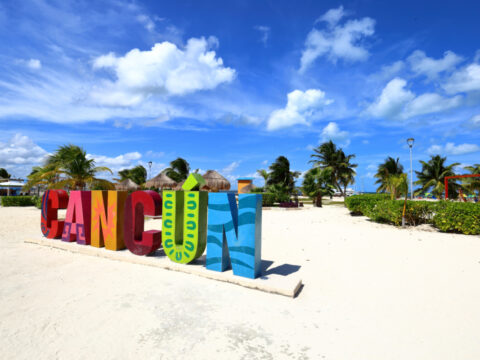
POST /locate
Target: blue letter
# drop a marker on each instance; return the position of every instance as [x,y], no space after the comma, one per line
[234,235]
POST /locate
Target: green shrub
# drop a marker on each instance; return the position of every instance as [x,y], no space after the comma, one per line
[362,204]
[391,212]
[444,215]
[268,199]
[17,201]
[37,200]
[458,217]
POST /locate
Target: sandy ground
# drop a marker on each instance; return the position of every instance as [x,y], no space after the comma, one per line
[371,292]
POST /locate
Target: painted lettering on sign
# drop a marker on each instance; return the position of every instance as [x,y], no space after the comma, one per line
[192,220]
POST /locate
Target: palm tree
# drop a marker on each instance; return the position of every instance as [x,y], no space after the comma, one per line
[317,183]
[433,175]
[280,174]
[69,168]
[397,185]
[138,174]
[473,184]
[346,174]
[178,170]
[386,169]
[264,174]
[328,157]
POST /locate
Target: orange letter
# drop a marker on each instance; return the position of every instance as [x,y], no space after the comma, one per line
[107,214]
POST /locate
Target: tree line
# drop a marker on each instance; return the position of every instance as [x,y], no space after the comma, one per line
[332,170]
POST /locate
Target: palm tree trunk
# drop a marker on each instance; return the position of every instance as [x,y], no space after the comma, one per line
[318,200]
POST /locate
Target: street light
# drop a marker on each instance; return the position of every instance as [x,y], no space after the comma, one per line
[150,168]
[410,142]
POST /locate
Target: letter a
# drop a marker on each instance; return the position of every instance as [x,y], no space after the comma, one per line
[77,220]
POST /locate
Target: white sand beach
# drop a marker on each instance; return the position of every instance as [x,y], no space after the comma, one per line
[370,291]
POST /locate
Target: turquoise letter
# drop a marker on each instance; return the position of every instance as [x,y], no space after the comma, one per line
[234,235]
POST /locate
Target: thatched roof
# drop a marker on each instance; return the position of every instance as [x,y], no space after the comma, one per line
[179,186]
[127,185]
[215,182]
[161,181]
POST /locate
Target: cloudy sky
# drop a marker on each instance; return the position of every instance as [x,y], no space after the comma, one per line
[233,85]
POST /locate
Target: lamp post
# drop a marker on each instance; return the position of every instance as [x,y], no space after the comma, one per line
[410,142]
[150,169]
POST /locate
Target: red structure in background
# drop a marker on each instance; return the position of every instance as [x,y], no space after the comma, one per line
[456,177]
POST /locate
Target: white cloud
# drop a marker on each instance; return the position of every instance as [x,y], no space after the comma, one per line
[398,103]
[155,154]
[264,162]
[452,149]
[264,32]
[424,65]
[337,41]
[34,64]
[464,80]
[165,69]
[431,103]
[146,21]
[333,132]
[387,71]
[19,154]
[301,108]
[332,16]
[474,122]
[20,150]
[392,100]
[230,168]
[117,163]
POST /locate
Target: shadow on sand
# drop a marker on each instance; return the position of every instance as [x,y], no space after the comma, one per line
[284,269]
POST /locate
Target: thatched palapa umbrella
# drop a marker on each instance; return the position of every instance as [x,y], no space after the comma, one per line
[215,182]
[179,186]
[161,181]
[127,185]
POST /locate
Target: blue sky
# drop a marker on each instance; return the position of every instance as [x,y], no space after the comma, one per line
[232,85]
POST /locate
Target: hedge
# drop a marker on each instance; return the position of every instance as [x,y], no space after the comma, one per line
[19,200]
[361,204]
[458,217]
[444,215]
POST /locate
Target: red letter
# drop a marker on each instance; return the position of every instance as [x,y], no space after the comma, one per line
[53,200]
[77,221]
[139,204]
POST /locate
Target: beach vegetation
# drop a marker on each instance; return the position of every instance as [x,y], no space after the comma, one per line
[472,185]
[179,170]
[68,168]
[390,167]
[316,184]
[329,157]
[8,201]
[263,174]
[432,177]
[446,216]
[137,174]
[4,174]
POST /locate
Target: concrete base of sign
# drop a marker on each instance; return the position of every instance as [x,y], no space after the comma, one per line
[287,285]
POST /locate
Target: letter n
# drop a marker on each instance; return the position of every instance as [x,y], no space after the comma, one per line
[234,235]
[107,219]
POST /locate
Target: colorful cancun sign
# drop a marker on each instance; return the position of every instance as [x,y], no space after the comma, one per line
[192,221]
